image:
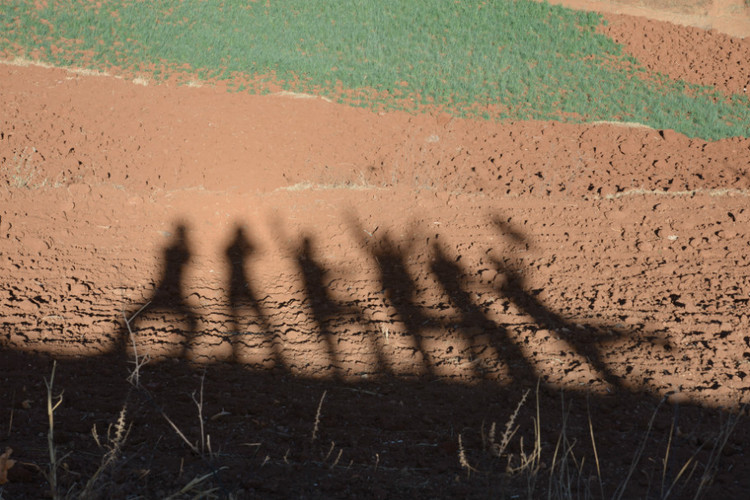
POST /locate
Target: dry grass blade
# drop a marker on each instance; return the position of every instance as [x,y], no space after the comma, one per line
[462,457]
[192,485]
[712,465]
[12,411]
[679,475]
[560,477]
[593,445]
[317,418]
[179,433]
[338,458]
[638,453]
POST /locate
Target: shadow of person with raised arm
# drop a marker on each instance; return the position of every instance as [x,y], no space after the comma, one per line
[584,341]
[399,287]
[476,327]
[323,307]
[243,300]
[168,301]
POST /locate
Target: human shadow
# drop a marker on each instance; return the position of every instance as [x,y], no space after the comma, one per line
[168,302]
[584,339]
[480,331]
[400,434]
[399,287]
[324,308]
[244,304]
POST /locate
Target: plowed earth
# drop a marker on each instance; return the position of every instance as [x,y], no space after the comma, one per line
[364,294]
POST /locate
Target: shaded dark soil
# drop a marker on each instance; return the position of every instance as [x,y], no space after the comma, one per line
[379,439]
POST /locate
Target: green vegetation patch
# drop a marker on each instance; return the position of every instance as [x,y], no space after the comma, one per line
[492,59]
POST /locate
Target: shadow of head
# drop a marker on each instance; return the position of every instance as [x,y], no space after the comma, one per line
[240,246]
[507,229]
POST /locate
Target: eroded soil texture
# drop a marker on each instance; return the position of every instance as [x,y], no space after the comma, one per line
[366,297]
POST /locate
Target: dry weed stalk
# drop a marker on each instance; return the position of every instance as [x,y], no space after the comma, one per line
[499,448]
[205,440]
[51,473]
[135,376]
[134,380]
[531,463]
[317,417]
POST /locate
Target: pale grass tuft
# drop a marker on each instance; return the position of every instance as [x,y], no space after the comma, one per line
[298,95]
[25,63]
[114,446]
[621,124]
[499,449]
[384,330]
[311,186]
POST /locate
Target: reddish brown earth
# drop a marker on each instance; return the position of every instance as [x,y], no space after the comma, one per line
[731,17]
[419,271]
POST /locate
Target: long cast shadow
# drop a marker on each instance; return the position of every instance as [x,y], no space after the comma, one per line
[583,339]
[389,442]
[168,300]
[474,323]
[242,298]
[323,306]
[399,287]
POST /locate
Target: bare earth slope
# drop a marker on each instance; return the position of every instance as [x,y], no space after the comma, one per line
[731,17]
[423,270]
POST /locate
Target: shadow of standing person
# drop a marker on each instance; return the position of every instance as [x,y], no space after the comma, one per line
[242,297]
[169,297]
[322,306]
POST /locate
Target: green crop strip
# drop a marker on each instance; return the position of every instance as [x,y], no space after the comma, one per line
[491,59]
